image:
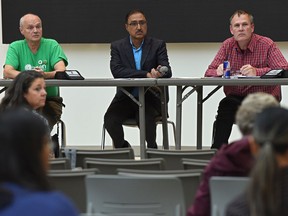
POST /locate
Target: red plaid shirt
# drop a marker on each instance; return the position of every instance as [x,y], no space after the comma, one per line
[262,53]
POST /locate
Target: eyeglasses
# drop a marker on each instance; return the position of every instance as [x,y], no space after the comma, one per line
[135,24]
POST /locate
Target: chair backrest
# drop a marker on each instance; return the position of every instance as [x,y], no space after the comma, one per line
[72,184]
[194,163]
[173,157]
[126,195]
[190,179]
[223,190]
[110,166]
[59,164]
[123,153]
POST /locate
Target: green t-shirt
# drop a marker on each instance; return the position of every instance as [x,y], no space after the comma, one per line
[20,57]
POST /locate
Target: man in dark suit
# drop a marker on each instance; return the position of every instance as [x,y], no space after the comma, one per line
[136,56]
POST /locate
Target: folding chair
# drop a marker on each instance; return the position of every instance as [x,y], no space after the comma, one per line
[223,190]
[126,195]
[72,184]
[77,155]
[110,166]
[173,157]
[59,164]
[190,179]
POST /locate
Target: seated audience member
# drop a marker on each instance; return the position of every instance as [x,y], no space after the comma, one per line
[27,90]
[249,54]
[234,159]
[24,149]
[136,56]
[267,193]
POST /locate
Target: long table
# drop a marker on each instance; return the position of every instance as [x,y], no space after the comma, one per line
[181,83]
[198,84]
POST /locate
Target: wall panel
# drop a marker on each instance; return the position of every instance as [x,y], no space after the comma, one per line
[102,21]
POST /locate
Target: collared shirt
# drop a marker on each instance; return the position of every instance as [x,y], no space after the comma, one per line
[262,53]
[137,52]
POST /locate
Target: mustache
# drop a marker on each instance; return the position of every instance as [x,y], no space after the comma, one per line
[139,31]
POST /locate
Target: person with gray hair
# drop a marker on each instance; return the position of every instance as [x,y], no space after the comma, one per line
[234,159]
[250,108]
[266,194]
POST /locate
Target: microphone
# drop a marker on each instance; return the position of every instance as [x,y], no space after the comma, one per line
[163,70]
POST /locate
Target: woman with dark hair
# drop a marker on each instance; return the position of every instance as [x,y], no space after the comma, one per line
[27,89]
[267,193]
[24,150]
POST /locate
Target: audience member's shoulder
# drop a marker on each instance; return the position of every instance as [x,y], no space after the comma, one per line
[230,157]
[239,206]
[48,203]
[237,145]
[58,204]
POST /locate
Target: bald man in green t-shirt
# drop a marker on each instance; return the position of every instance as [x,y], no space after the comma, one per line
[40,54]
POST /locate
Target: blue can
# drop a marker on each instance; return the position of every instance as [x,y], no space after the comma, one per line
[227,75]
[226,65]
[226,69]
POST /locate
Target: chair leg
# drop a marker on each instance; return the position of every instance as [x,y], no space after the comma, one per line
[213,131]
[63,133]
[63,129]
[103,138]
[174,129]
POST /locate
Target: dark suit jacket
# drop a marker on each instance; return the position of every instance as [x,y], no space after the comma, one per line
[122,63]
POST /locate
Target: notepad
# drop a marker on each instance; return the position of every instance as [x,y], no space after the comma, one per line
[244,77]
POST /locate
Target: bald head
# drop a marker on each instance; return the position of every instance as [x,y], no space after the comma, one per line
[27,18]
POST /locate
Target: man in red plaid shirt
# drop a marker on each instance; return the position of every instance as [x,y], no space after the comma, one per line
[249,54]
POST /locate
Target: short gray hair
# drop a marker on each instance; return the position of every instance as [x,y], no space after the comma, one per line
[252,105]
